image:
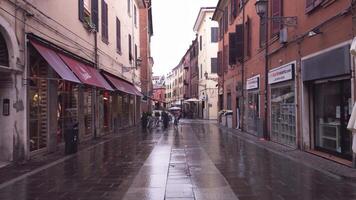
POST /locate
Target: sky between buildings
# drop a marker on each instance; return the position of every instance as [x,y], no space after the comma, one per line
[173,22]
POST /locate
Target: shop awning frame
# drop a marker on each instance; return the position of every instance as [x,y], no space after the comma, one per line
[87,74]
[121,85]
[55,62]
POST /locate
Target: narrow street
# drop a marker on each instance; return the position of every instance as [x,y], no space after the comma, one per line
[196,161]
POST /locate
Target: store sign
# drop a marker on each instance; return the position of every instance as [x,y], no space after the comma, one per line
[280,74]
[253,83]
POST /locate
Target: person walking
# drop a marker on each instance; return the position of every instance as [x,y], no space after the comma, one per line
[165,119]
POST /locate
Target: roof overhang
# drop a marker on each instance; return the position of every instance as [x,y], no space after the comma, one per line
[219,10]
[200,18]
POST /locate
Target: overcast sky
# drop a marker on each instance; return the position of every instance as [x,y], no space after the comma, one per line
[173,22]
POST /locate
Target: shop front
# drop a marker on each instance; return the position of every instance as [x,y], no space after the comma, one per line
[253,105]
[61,93]
[282,101]
[327,81]
[127,106]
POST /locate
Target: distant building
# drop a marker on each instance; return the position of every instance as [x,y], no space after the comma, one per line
[207,35]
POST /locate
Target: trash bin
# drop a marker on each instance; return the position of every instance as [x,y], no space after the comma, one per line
[228,116]
[71,139]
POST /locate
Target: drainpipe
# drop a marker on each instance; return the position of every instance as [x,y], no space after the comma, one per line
[96,60]
[353,2]
[242,112]
[265,132]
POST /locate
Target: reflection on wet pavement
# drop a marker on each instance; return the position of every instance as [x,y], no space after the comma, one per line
[198,161]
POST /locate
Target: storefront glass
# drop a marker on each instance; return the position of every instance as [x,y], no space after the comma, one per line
[67,107]
[88,117]
[38,115]
[283,128]
[253,109]
[332,109]
[105,108]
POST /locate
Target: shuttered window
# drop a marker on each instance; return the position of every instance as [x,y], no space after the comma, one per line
[135,16]
[220,64]
[247,42]
[95,14]
[136,56]
[200,43]
[118,35]
[4,54]
[104,22]
[214,34]
[130,48]
[81,10]
[129,7]
[232,48]
[225,58]
[239,42]
[221,27]
[214,65]
[226,19]
[276,12]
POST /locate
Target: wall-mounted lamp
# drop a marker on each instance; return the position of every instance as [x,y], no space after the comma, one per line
[262,9]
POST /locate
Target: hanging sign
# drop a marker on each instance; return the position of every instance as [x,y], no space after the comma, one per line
[253,83]
[280,74]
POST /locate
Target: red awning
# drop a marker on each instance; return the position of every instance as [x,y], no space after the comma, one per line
[55,62]
[122,85]
[85,73]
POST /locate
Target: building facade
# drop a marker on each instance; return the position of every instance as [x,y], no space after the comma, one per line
[290,79]
[60,70]
[207,33]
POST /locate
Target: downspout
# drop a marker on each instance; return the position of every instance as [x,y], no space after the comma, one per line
[96,60]
[265,132]
[242,112]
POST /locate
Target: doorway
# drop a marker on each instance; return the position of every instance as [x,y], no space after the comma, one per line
[332,110]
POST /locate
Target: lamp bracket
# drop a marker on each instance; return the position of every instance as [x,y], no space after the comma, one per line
[287,21]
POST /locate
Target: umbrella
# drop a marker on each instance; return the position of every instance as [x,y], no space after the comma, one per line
[174,108]
[192,100]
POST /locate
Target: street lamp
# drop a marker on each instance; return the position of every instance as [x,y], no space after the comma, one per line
[261,7]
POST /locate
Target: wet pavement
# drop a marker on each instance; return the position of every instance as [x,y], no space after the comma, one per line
[196,161]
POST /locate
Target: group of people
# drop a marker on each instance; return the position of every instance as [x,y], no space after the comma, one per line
[152,121]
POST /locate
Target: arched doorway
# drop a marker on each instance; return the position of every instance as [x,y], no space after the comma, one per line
[4,52]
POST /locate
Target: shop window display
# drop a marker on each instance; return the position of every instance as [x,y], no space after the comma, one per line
[332,110]
[88,117]
[38,86]
[253,110]
[67,107]
[283,128]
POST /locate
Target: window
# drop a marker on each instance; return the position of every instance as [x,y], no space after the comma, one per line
[136,55]
[247,42]
[130,48]
[135,16]
[118,35]
[88,13]
[214,34]
[226,19]
[104,22]
[221,27]
[129,7]
[276,12]
[201,71]
[214,65]
[201,42]
[4,54]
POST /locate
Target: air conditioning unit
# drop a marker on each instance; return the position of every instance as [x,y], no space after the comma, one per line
[283,35]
